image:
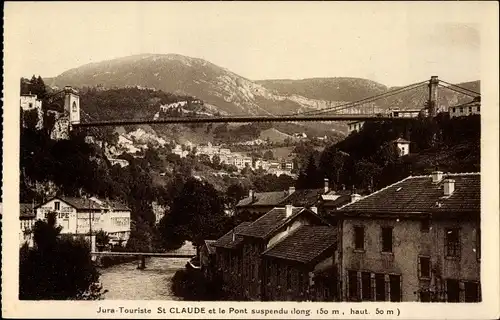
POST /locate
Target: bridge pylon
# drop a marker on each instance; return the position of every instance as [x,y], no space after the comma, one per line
[433,96]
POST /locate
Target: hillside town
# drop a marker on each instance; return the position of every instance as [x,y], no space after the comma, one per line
[331,160]
[415,239]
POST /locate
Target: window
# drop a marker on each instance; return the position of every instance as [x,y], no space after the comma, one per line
[461,109]
[359,238]
[425,225]
[353,285]
[478,108]
[31,105]
[386,239]
[301,281]
[424,266]
[452,290]
[395,287]
[288,278]
[57,205]
[453,110]
[379,287]
[75,108]
[471,291]
[452,242]
[366,286]
[425,296]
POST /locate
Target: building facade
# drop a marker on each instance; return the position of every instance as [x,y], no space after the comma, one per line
[415,240]
[249,256]
[30,102]
[465,109]
[79,216]
[27,219]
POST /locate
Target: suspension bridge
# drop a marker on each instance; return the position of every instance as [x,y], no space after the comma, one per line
[385,106]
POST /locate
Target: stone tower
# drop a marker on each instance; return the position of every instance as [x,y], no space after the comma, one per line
[72,105]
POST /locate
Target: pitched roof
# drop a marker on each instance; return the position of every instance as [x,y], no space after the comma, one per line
[305,244]
[401,140]
[26,211]
[420,195]
[226,241]
[210,246]
[90,204]
[81,203]
[264,199]
[271,221]
[303,198]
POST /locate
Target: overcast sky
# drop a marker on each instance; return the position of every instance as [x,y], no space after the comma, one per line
[392,43]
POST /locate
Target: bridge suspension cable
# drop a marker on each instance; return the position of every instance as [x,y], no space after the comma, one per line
[459,91]
[367,100]
[462,88]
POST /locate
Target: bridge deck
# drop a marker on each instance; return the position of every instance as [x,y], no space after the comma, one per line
[282,118]
[145,254]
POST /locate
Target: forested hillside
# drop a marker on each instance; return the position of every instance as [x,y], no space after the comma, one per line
[369,160]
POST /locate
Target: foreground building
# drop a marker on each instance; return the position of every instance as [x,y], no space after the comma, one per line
[78,216]
[286,254]
[415,240]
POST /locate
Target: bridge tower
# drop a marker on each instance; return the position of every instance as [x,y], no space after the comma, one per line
[433,96]
[72,105]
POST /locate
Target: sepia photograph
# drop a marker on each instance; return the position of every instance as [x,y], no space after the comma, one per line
[249,153]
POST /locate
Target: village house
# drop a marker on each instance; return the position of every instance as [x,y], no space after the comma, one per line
[27,222]
[261,235]
[77,216]
[466,109]
[207,259]
[415,240]
[31,102]
[302,266]
[258,203]
[355,126]
[403,146]
[229,259]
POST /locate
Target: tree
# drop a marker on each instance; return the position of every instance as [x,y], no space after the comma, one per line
[101,239]
[268,155]
[197,213]
[58,268]
[309,178]
[235,193]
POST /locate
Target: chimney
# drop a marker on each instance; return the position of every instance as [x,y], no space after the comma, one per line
[250,194]
[288,210]
[437,176]
[343,186]
[355,197]
[327,188]
[449,187]
[291,190]
[314,209]
[234,235]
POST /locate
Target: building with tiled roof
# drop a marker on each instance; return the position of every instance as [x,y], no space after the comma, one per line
[305,245]
[207,258]
[257,204]
[264,233]
[415,240]
[232,239]
[302,266]
[228,259]
[81,215]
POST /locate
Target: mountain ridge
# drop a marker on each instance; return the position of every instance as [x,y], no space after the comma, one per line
[230,93]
